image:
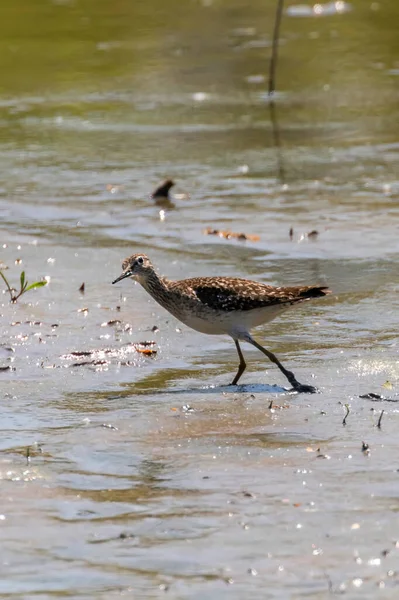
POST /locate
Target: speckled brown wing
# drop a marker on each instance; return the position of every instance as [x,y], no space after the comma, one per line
[230,294]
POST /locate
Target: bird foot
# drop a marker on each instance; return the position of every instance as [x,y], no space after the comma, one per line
[303,388]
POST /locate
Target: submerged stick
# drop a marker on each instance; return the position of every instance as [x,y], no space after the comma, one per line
[272,87]
[276,139]
[379,420]
[274,56]
[347,413]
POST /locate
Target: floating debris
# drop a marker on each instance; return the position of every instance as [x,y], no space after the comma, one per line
[126,536]
[146,351]
[90,363]
[82,288]
[321,455]
[161,194]
[103,356]
[310,236]
[248,494]
[291,233]
[387,385]
[372,396]
[228,235]
[7,349]
[121,536]
[111,323]
[365,448]
[78,353]
[32,451]
[378,397]
[114,188]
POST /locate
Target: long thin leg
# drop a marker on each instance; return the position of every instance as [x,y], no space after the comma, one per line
[241,366]
[298,387]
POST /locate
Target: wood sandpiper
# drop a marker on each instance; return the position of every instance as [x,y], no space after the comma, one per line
[222,305]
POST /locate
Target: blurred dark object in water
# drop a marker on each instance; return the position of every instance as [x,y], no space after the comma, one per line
[378,397]
[365,448]
[229,235]
[82,288]
[114,188]
[102,356]
[312,235]
[161,194]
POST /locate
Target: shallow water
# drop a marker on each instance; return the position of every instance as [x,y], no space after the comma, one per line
[148,475]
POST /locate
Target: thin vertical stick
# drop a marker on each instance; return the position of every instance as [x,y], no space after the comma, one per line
[276,140]
[272,88]
[276,36]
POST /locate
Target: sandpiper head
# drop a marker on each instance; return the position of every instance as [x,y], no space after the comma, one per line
[137,266]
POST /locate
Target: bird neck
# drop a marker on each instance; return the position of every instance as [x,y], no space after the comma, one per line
[156,286]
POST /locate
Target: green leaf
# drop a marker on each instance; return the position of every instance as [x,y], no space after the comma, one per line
[37,284]
[5,281]
[22,279]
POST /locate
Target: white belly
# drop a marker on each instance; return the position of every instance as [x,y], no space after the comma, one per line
[230,323]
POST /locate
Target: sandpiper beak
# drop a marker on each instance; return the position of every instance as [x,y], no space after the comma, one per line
[123,276]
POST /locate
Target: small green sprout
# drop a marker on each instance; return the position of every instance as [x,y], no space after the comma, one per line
[14,294]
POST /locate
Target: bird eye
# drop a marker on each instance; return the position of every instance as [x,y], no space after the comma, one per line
[140,260]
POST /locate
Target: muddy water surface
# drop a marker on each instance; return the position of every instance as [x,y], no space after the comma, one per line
[144,475]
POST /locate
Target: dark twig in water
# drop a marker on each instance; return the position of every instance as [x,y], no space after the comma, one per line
[347,413]
[161,195]
[274,56]
[271,404]
[378,397]
[330,583]
[276,139]
[379,420]
[272,86]
[162,191]
[28,455]
[372,396]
